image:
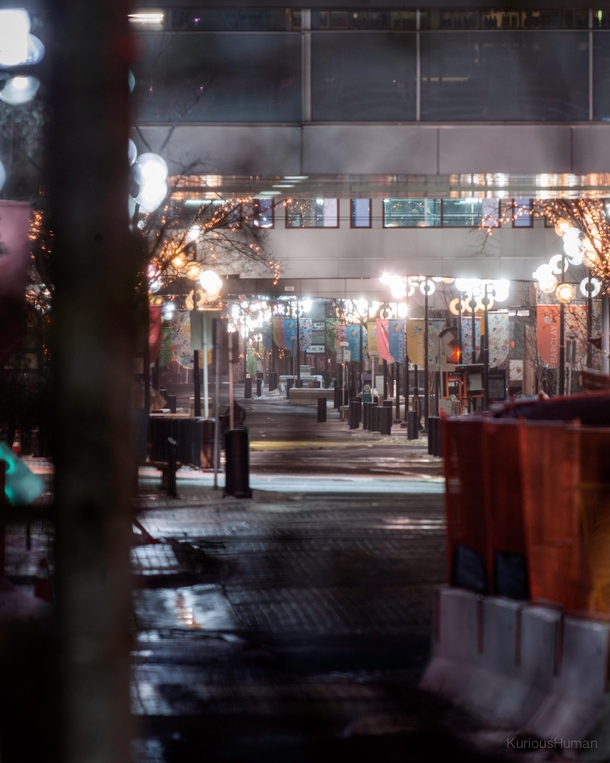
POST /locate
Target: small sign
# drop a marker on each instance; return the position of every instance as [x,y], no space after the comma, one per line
[288,288]
[317,325]
[315,349]
[343,356]
[367,389]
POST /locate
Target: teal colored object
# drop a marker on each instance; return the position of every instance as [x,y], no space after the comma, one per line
[22,485]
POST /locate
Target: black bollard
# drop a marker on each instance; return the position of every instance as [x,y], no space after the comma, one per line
[336,397]
[247,388]
[321,410]
[172,489]
[354,418]
[272,380]
[367,415]
[412,425]
[288,387]
[385,424]
[259,387]
[237,463]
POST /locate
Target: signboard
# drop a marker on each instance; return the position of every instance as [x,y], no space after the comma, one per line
[318,326]
[315,349]
[343,356]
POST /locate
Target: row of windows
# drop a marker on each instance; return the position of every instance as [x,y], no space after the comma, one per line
[397,213]
[373,76]
[288,20]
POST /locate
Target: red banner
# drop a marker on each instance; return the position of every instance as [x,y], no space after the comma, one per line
[14,260]
[154,332]
[547,331]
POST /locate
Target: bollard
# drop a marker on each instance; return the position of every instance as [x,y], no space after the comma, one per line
[385,424]
[299,383]
[171,468]
[336,397]
[259,388]
[366,415]
[321,410]
[375,424]
[237,463]
[171,403]
[288,387]
[272,380]
[434,436]
[354,418]
[412,425]
[247,388]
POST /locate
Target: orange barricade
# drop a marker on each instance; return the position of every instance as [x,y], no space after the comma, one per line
[462,441]
[566,497]
[506,548]
[483,503]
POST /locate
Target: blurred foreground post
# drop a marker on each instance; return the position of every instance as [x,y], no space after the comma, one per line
[93,313]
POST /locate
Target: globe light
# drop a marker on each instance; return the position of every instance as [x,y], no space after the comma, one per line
[193,271]
[500,290]
[306,305]
[398,287]
[132,151]
[193,233]
[462,284]
[562,227]
[18,90]
[150,169]
[573,250]
[385,278]
[548,285]
[151,196]
[427,287]
[35,50]
[565,293]
[402,310]
[556,263]
[14,36]
[590,288]
[210,282]
[542,272]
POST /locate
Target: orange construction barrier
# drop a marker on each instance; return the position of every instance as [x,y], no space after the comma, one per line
[566,496]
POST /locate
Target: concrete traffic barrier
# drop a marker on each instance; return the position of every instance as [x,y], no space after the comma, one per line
[577,706]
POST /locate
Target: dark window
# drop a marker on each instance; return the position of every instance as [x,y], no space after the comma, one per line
[522,213]
[231,20]
[516,76]
[360,213]
[312,213]
[411,213]
[343,20]
[218,78]
[363,77]
[262,213]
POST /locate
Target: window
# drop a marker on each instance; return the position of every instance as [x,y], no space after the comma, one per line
[411,213]
[312,213]
[262,213]
[522,213]
[360,213]
[470,213]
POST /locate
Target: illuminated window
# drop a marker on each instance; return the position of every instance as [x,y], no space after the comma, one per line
[360,213]
[312,213]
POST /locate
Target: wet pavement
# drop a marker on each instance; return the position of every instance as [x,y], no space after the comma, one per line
[293,626]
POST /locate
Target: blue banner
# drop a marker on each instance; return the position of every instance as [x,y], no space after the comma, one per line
[352,337]
[267,335]
[396,340]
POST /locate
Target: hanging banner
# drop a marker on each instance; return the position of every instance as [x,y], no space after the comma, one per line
[383,339]
[267,335]
[499,339]
[284,329]
[154,332]
[305,329]
[372,337]
[165,357]
[181,339]
[415,341]
[547,332]
[352,337]
[14,260]
[396,340]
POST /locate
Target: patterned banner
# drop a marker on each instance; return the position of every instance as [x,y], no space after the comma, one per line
[499,339]
[181,339]
[305,333]
[284,329]
[165,358]
[14,260]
